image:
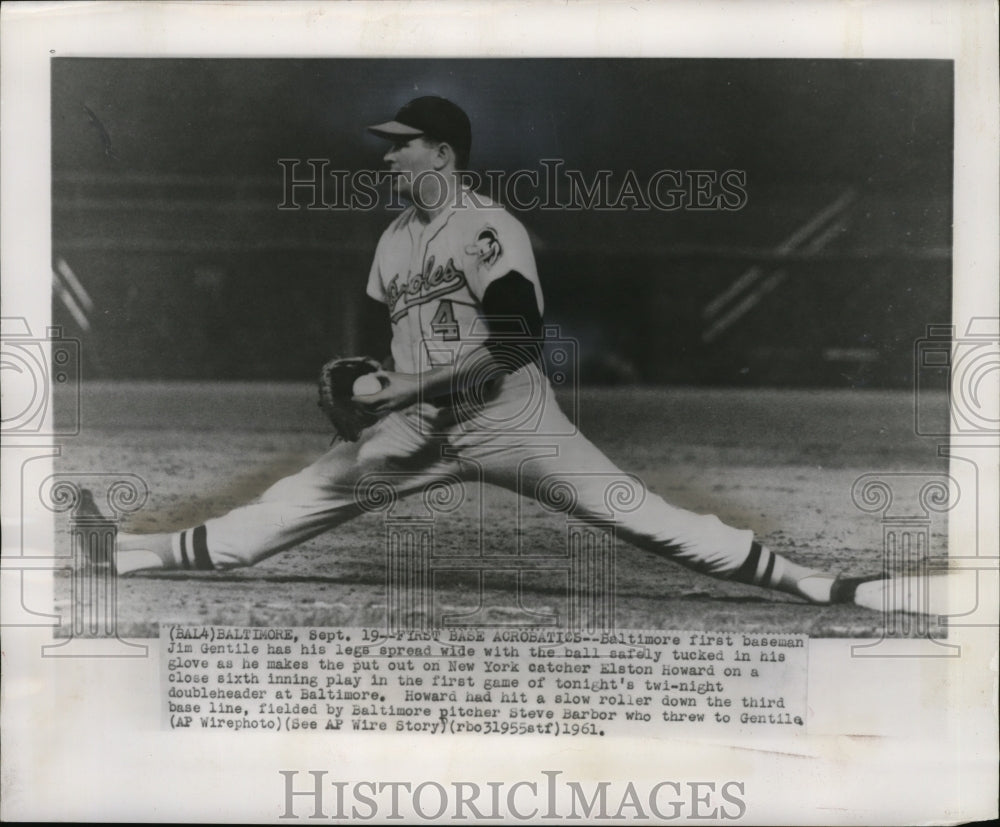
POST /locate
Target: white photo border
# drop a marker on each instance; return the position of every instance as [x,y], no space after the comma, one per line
[83,740]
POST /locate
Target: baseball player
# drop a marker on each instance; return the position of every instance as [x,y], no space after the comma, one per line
[455,274]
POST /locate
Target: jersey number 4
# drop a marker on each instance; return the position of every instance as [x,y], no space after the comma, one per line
[443,324]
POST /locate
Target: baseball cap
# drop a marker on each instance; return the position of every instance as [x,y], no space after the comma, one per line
[434,117]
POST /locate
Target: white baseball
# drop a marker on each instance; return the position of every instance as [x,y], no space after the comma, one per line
[366,385]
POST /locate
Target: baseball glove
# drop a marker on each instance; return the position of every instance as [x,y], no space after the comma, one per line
[336,380]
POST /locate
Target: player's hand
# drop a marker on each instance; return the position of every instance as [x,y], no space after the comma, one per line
[400,391]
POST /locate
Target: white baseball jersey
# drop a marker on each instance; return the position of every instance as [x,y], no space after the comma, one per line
[433,276]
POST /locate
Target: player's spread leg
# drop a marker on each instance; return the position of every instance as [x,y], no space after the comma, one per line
[187,549]
[148,552]
[133,552]
[763,567]
[294,509]
[151,552]
[700,542]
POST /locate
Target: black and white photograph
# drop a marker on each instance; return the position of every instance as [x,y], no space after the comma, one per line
[718,269]
[384,398]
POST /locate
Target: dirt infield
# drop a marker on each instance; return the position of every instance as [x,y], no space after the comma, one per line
[779,462]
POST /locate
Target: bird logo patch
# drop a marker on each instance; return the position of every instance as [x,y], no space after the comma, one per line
[487,247]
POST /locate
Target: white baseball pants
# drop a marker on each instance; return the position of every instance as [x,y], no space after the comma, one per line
[518,439]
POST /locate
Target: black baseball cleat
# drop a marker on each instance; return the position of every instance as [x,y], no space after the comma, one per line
[915,594]
[87,507]
[845,589]
[87,510]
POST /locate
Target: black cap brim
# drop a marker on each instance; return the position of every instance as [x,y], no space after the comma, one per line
[394,130]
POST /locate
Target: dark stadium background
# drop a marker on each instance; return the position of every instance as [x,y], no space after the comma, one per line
[166,193]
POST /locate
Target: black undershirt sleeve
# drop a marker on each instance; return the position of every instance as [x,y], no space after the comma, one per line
[511,312]
[374,329]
